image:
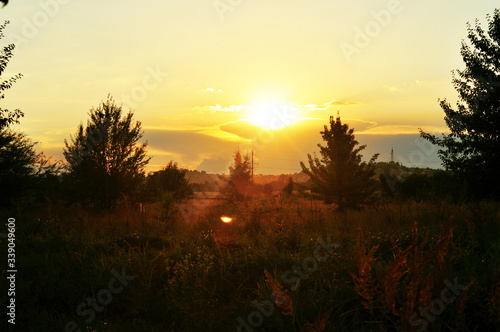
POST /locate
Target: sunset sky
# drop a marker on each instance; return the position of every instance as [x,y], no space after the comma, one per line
[206,77]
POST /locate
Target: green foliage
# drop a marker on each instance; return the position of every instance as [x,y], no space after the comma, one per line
[472,149]
[191,270]
[7,117]
[167,207]
[21,168]
[105,158]
[17,165]
[166,187]
[427,184]
[240,175]
[241,171]
[339,175]
[170,179]
[27,178]
[439,184]
[288,189]
[194,278]
[23,173]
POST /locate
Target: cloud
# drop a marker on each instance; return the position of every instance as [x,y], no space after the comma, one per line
[391,88]
[209,89]
[189,148]
[341,103]
[400,129]
[250,132]
[276,152]
[241,128]
[326,106]
[219,108]
[240,108]
[394,88]
[214,165]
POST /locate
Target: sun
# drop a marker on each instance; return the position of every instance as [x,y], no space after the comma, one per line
[271,115]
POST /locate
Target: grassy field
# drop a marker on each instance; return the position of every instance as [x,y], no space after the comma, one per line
[286,264]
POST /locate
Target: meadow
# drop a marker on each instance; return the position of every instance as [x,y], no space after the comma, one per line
[106,240]
[282,264]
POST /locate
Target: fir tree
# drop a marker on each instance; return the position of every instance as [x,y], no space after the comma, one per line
[340,175]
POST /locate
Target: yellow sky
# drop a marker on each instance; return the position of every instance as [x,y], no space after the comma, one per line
[201,75]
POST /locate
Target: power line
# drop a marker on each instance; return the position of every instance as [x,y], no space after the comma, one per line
[288,169]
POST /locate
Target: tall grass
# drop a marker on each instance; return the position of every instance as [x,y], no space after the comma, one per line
[202,274]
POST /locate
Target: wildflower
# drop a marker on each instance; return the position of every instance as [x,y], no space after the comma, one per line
[319,324]
[363,281]
[281,297]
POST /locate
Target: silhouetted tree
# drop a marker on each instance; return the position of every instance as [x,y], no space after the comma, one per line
[167,187]
[240,174]
[472,150]
[241,170]
[17,153]
[105,158]
[169,179]
[17,165]
[7,117]
[288,189]
[433,185]
[340,176]
[26,177]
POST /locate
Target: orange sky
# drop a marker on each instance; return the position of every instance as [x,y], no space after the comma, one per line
[205,76]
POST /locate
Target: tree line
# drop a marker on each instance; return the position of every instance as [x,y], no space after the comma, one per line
[105,161]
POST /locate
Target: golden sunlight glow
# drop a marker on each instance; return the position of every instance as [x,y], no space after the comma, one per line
[226,219]
[272,116]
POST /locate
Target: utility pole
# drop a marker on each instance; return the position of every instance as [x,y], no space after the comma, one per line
[252,166]
[392,154]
